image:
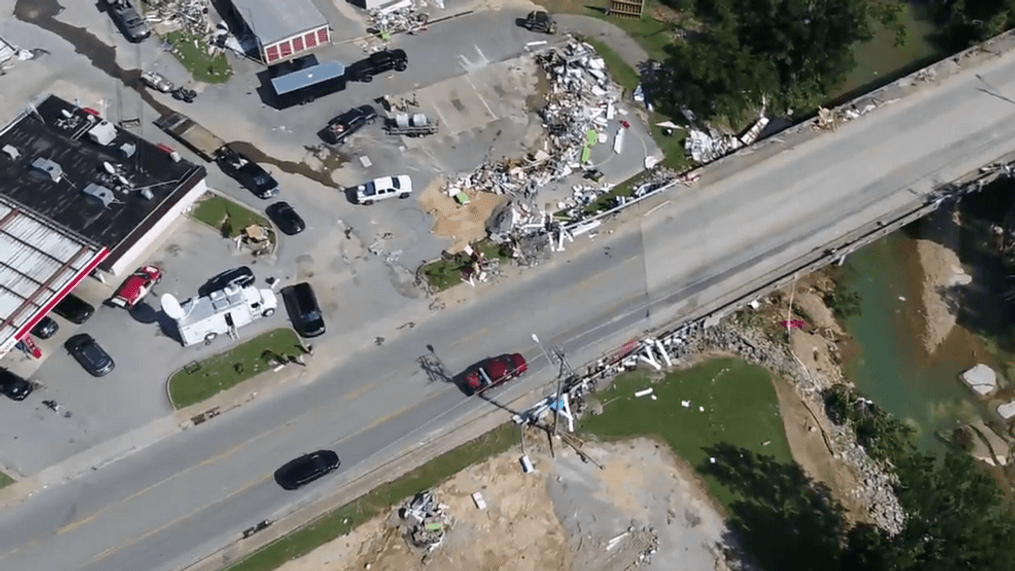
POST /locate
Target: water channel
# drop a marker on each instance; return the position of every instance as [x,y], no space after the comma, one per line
[888,360]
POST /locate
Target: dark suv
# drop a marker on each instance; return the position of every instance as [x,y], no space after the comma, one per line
[307,468]
[377,63]
[13,386]
[342,127]
[301,303]
[246,172]
[89,354]
[74,309]
[237,277]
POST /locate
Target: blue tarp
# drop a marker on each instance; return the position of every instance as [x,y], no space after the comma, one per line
[307,77]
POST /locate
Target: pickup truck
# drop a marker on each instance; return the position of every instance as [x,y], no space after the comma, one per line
[342,127]
[136,286]
[246,172]
[384,187]
[377,63]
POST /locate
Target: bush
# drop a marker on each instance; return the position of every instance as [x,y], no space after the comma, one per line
[843,302]
[884,437]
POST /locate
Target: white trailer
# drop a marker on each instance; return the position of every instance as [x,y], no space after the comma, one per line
[201,319]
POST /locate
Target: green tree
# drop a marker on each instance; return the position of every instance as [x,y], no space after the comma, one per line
[956,518]
[966,22]
[788,52]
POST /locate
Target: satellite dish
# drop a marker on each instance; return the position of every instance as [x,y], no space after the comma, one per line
[123,180]
[109,168]
[171,306]
[66,114]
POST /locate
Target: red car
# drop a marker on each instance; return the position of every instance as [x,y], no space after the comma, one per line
[136,286]
[492,372]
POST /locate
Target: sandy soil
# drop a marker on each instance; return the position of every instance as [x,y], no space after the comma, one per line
[943,275]
[560,517]
[463,223]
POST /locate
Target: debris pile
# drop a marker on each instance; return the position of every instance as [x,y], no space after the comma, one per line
[403,16]
[830,119]
[426,521]
[188,15]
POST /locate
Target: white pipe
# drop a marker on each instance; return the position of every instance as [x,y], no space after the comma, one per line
[643,392]
[650,361]
[666,356]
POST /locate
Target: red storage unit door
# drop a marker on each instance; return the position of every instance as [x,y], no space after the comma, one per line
[298,45]
[322,36]
[271,54]
[285,49]
[310,40]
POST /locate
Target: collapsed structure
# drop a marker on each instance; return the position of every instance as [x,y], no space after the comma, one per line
[425,521]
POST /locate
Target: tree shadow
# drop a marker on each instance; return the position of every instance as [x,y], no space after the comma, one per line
[983,305]
[781,519]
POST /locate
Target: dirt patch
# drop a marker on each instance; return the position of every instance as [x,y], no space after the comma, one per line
[943,276]
[806,432]
[811,302]
[562,517]
[463,223]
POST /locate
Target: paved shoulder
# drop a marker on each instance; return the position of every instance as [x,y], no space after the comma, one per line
[608,33]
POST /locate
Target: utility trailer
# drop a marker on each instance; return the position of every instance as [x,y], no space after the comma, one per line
[201,319]
[414,125]
[184,129]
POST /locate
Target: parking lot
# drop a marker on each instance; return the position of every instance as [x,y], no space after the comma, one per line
[471,73]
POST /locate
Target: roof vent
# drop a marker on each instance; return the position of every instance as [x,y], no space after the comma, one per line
[103,133]
[11,152]
[48,169]
[127,150]
[99,192]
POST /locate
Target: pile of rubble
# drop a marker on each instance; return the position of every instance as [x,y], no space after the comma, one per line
[188,15]
[425,521]
[403,16]
[707,147]
[830,119]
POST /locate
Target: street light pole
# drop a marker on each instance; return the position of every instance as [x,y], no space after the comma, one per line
[556,403]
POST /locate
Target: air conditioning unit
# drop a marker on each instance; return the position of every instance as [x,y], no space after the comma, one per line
[102,133]
[48,169]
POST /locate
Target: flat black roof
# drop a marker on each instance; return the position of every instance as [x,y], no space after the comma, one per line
[55,160]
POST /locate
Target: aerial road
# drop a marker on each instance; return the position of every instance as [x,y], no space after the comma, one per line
[186,496]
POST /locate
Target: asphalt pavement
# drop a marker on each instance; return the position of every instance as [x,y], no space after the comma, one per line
[186,496]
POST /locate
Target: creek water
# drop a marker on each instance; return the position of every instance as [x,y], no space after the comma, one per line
[888,360]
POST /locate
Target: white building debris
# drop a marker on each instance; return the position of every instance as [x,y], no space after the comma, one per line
[401,16]
[188,15]
[425,520]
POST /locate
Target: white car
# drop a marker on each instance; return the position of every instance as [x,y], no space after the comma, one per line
[384,187]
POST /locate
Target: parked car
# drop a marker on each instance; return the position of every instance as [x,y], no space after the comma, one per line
[307,468]
[285,217]
[45,328]
[342,127]
[128,19]
[384,187]
[74,309]
[377,63]
[89,354]
[136,286]
[492,372]
[13,386]
[240,277]
[305,313]
[251,175]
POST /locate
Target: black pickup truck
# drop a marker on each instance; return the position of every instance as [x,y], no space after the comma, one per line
[377,63]
[342,127]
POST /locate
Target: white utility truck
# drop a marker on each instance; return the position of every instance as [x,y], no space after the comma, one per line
[201,319]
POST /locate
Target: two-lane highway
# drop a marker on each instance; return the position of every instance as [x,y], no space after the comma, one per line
[186,496]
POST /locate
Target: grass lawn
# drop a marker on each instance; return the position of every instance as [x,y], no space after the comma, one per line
[651,31]
[445,273]
[194,384]
[227,216]
[5,480]
[194,56]
[741,408]
[346,518]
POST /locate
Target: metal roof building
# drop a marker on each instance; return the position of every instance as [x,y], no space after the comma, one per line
[78,195]
[40,263]
[284,28]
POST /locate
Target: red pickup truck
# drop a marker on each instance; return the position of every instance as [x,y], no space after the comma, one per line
[492,372]
[136,286]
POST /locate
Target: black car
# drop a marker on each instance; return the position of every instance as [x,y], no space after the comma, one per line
[305,313]
[307,468]
[45,328]
[74,309]
[376,63]
[236,277]
[13,386]
[89,354]
[285,217]
[128,19]
[248,173]
[342,127]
